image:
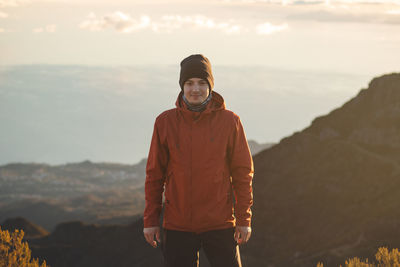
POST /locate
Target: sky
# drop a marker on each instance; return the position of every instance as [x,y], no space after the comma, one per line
[349,36]
[57,114]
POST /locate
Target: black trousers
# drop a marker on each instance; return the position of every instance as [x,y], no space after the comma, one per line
[181,249]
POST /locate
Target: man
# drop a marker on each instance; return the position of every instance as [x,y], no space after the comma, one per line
[199,154]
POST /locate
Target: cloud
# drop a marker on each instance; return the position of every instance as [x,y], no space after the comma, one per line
[313,2]
[48,28]
[2,30]
[268,28]
[12,3]
[119,21]
[170,23]
[393,12]
[124,23]
[17,3]
[347,16]
[305,2]
[51,28]
[341,11]
[3,15]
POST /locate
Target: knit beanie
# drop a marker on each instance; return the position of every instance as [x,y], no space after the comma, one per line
[196,66]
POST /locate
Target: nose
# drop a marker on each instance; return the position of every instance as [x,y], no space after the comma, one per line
[196,87]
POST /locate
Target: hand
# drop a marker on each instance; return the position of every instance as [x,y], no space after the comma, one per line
[149,234]
[242,234]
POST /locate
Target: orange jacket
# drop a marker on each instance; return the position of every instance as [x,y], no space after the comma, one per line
[200,159]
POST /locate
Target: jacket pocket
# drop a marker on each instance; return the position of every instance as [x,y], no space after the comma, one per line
[221,185]
[221,198]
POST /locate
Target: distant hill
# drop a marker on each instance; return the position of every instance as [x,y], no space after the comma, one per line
[256,147]
[31,230]
[91,192]
[332,190]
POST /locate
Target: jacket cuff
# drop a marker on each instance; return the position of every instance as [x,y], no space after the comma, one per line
[243,223]
[150,222]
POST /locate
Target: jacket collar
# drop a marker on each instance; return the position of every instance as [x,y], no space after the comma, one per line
[217,103]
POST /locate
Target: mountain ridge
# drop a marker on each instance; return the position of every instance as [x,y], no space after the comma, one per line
[326,191]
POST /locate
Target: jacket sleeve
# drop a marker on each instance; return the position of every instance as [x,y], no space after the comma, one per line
[242,171]
[155,177]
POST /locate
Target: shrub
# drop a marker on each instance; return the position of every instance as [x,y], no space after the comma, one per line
[386,258]
[356,262]
[14,252]
[383,257]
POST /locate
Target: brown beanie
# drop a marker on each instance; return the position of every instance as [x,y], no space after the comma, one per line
[196,66]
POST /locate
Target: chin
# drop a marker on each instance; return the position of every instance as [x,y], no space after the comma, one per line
[196,102]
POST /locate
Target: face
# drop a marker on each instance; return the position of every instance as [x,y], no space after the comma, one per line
[196,90]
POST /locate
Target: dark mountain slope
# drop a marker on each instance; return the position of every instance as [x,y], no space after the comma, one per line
[332,190]
[85,245]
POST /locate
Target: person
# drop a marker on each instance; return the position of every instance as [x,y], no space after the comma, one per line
[199,154]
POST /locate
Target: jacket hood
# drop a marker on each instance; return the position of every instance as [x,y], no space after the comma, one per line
[217,103]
